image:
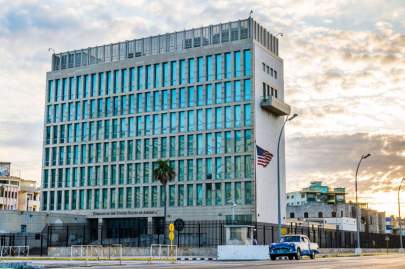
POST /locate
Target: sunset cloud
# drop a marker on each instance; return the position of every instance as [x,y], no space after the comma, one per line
[344,75]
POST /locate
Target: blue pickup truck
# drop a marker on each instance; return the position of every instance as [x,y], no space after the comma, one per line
[293,246]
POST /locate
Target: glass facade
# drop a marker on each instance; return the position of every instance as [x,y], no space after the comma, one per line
[104,131]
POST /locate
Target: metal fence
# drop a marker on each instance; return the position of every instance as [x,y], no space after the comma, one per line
[195,234]
[207,234]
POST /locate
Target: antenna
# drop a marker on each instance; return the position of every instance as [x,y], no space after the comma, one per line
[250,13]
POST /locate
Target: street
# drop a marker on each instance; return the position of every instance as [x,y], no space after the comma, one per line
[372,262]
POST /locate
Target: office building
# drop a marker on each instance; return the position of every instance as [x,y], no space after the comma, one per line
[201,98]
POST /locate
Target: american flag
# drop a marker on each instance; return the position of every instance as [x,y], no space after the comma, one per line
[263,156]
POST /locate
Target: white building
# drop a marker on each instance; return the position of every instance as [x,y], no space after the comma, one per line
[203,98]
[18,194]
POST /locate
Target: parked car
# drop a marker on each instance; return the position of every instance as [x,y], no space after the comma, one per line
[294,246]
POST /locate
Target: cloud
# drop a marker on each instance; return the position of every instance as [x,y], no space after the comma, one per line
[333,159]
[344,73]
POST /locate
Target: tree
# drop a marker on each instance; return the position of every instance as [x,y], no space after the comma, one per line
[164,173]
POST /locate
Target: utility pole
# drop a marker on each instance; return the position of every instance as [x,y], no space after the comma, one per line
[358,212]
[401,248]
[278,177]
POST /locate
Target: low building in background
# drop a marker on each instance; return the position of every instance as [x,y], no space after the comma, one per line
[20,222]
[317,193]
[17,193]
[345,224]
[323,204]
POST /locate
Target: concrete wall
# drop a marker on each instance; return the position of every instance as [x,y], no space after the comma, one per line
[210,252]
[347,251]
[267,130]
[372,221]
[34,221]
[134,251]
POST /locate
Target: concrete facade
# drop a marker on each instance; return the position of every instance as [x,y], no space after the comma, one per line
[18,194]
[114,110]
[371,220]
[34,222]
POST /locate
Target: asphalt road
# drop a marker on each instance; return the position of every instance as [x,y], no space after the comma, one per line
[369,262]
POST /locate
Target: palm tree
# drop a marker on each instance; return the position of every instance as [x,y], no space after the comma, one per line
[164,173]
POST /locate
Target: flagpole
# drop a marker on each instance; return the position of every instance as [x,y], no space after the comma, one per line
[255,181]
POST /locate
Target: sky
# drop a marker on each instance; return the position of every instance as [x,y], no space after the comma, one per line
[344,64]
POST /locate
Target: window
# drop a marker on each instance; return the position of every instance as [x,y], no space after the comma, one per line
[173,77]
[320,214]
[182,71]
[208,194]
[248,193]
[306,215]
[200,69]
[191,70]
[238,193]
[145,197]
[292,215]
[191,97]
[180,195]
[190,195]
[247,62]
[154,196]
[218,194]
[148,77]
[209,67]
[209,96]
[172,192]
[227,67]
[165,74]
[199,194]
[218,67]
[156,75]
[228,193]
[237,65]
[129,198]
[333,214]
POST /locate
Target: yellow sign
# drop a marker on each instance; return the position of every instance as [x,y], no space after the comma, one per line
[171,236]
[283,231]
[171,227]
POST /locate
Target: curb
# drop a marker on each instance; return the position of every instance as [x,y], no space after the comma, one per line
[194,259]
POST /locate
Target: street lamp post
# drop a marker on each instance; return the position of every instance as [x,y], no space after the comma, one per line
[401,248]
[358,247]
[278,176]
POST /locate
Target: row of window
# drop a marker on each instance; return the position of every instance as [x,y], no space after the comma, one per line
[269,91]
[163,100]
[181,195]
[269,70]
[124,105]
[320,215]
[157,124]
[207,144]
[192,70]
[219,168]
[8,194]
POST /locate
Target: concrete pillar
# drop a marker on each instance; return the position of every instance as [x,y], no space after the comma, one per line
[100,230]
